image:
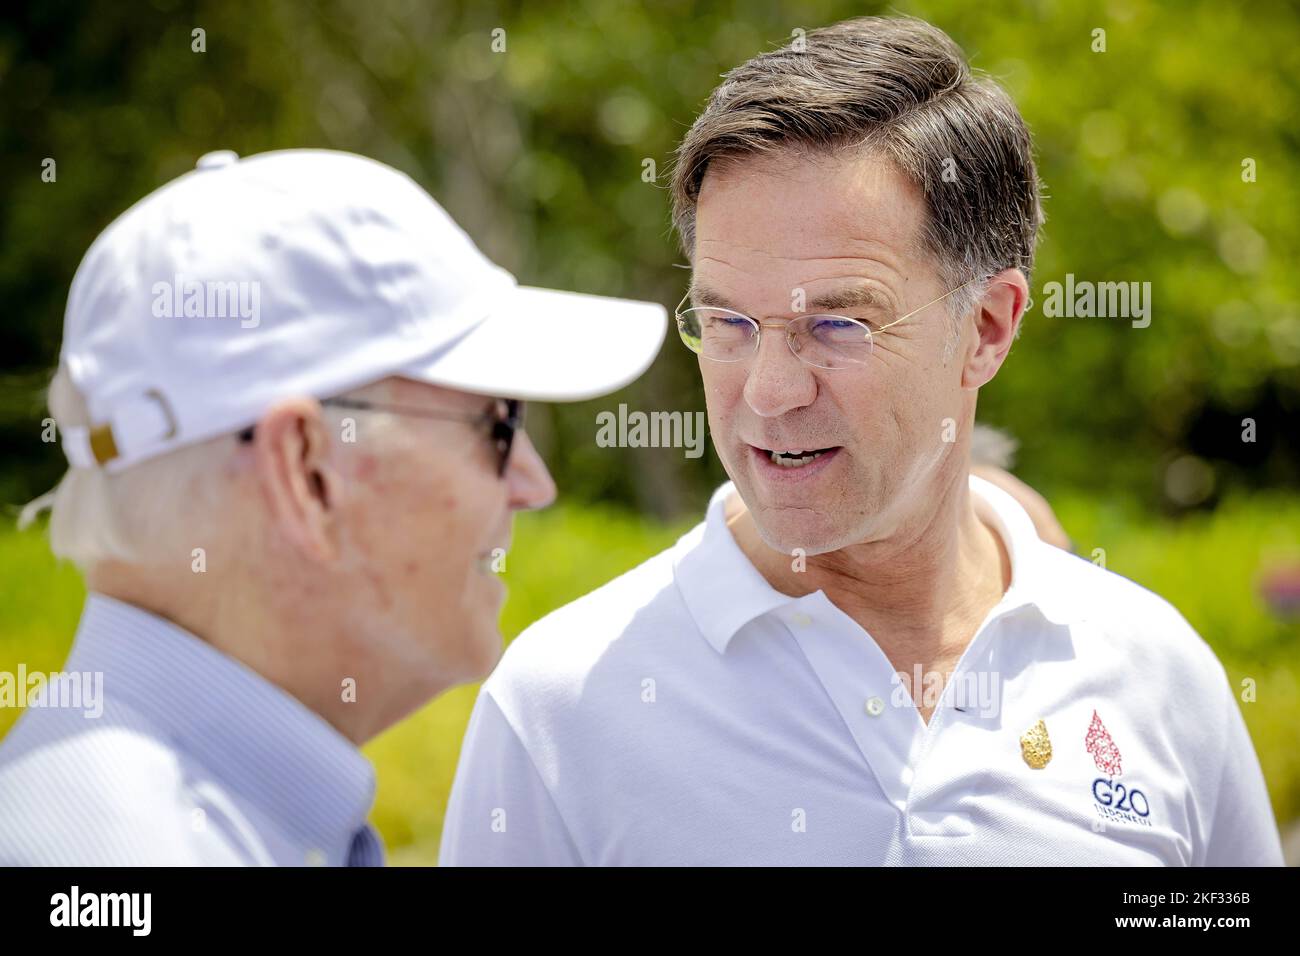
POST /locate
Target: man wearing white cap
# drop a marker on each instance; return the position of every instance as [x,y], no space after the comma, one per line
[290,391]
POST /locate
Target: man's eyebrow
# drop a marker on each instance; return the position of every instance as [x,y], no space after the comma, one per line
[702,295]
[853,297]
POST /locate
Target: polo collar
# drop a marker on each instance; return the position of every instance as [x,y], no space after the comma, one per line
[723,591]
[721,587]
[1035,574]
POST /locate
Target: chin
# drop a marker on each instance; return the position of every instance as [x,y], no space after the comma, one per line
[812,537]
[815,532]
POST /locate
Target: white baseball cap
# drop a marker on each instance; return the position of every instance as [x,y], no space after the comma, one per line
[311,272]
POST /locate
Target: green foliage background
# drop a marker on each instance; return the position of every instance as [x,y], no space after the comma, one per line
[538,151]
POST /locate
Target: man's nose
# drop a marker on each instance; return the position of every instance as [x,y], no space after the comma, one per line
[529,484]
[778,380]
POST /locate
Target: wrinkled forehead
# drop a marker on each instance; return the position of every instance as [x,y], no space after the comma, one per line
[793,218]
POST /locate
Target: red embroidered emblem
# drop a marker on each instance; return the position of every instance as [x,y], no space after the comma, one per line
[1104,752]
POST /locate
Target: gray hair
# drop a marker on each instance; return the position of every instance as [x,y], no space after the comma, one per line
[897,87]
[155,510]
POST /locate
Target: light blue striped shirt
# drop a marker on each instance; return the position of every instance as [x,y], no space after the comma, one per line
[195,760]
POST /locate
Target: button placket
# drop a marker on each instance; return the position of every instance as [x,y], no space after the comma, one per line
[973,730]
[860,682]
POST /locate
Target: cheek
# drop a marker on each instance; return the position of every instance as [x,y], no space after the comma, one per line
[417,512]
[904,428]
[724,393]
[464,514]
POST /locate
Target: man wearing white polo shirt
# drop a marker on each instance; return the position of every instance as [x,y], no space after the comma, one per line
[864,655]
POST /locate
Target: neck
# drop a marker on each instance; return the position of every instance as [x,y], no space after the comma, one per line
[282,642]
[920,591]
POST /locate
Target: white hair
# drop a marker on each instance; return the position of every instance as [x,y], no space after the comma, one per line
[152,511]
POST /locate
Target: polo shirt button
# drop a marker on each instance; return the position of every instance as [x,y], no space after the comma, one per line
[316,858]
[801,619]
[875,706]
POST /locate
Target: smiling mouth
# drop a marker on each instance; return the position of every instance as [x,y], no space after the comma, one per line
[795,458]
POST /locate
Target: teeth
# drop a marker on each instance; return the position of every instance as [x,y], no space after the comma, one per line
[804,457]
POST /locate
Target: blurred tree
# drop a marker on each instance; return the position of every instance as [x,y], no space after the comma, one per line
[1170,158]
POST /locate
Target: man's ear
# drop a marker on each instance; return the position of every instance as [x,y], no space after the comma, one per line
[291,453]
[997,317]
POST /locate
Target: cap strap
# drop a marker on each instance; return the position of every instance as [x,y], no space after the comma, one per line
[76,446]
[140,422]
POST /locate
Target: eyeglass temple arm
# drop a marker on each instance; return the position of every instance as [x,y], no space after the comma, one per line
[516,419]
[362,405]
[928,304]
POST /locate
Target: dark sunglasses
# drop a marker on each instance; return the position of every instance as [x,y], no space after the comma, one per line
[503,422]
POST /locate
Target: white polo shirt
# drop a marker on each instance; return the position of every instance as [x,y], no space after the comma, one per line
[687,713]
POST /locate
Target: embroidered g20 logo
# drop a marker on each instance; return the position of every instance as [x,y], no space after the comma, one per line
[1104,752]
[1114,801]
[1108,793]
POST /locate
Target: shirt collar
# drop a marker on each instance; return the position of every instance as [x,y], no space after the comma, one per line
[1035,575]
[721,587]
[723,590]
[254,737]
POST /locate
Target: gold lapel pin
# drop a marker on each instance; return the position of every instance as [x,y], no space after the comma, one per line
[1036,746]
